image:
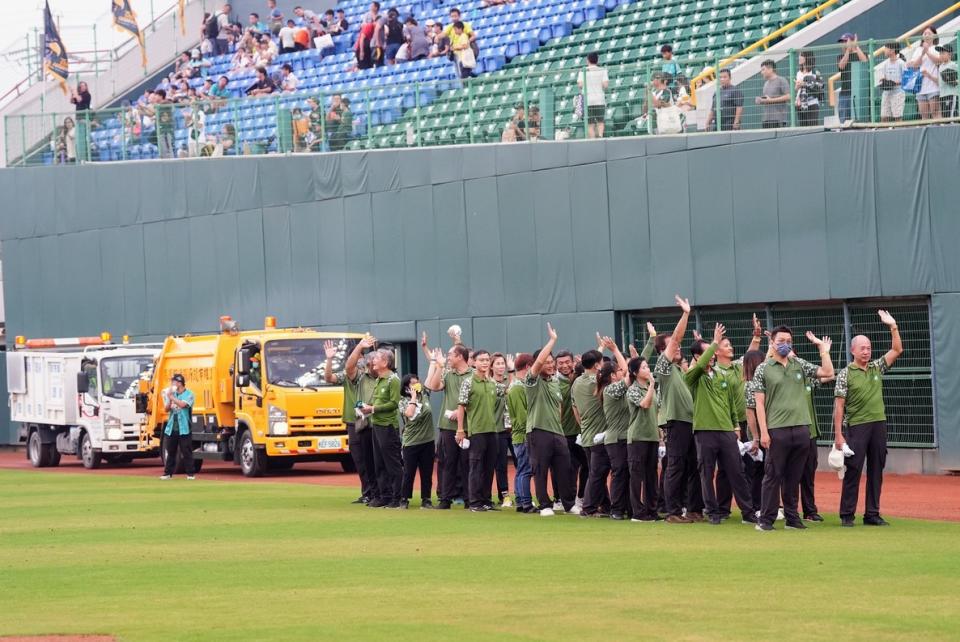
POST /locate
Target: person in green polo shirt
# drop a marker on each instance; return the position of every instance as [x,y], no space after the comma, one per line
[858,398]
[714,429]
[580,465]
[416,440]
[517,409]
[548,446]
[501,370]
[612,384]
[643,439]
[447,378]
[384,421]
[783,415]
[478,400]
[808,501]
[681,484]
[588,406]
[359,438]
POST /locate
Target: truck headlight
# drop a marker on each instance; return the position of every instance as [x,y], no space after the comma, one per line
[114,434]
[277,418]
[112,428]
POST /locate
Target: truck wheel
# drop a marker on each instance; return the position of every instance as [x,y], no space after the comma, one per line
[54,455]
[253,461]
[280,463]
[90,458]
[347,464]
[38,452]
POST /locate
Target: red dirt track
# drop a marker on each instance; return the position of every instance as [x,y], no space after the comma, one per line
[920,496]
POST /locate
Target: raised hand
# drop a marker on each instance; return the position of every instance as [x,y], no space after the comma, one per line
[683,303]
[820,343]
[551,332]
[633,351]
[439,357]
[609,344]
[718,333]
[599,342]
[330,349]
[697,336]
[511,361]
[651,331]
[757,328]
[423,339]
[886,318]
[368,341]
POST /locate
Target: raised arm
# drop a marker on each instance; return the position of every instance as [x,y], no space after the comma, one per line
[612,346]
[673,344]
[896,345]
[823,345]
[350,369]
[426,350]
[650,345]
[757,334]
[330,350]
[544,352]
[434,380]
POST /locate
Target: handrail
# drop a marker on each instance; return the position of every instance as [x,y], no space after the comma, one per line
[832,81]
[709,73]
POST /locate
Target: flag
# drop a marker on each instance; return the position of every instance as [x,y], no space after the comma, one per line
[124,19]
[183,15]
[54,53]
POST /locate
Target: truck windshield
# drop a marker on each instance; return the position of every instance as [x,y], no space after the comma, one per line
[300,362]
[119,375]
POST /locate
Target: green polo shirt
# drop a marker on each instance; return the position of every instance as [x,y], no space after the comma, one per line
[517,409]
[349,396]
[812,384]
[734,375]
[863,391]
[616,412]
[543,403]
[479,397]
[583,393]
[500,412]
[643,421]
[676,400]
[386,396]
[419,428]
[785,392]
[365,387]
[714,405]
[567,421]
[451,393]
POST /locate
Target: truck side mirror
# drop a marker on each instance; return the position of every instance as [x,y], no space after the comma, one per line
[243,380]
[246,357]
[83,383]
[141,401]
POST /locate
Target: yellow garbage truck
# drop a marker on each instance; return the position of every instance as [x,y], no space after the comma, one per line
[260,398]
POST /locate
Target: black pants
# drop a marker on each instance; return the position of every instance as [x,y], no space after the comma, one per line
[619,477]
[753,470]
[387,462]
[361,451]
[504,439]
[483,459]
[597,496]
[782,471]
[579,465]
[724,493]
[807,499]
[869,444]
[418,457]
[661,496]
[808,117]
[549,454]
[286,50]
[642,461]
[682,482]
[719,448]
[183,444]
[454,464]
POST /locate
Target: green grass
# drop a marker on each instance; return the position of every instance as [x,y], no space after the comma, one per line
[145,560]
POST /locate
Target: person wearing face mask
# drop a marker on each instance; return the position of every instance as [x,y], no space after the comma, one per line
[176,434]
[783,415]
[858,398]
[417,440]
[478,400]
[716,429]
[612,385]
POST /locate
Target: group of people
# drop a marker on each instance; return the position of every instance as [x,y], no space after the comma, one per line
[603,434]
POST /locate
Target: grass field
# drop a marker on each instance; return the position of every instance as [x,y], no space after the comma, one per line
[145,560]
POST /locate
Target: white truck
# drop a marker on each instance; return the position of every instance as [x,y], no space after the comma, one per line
[78,397]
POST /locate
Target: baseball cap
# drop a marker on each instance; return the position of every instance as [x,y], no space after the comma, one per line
[179,379]
[835,460]
[276,13]
[846,36]
[430,22]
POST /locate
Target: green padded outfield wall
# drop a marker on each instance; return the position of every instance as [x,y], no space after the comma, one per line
[497,238]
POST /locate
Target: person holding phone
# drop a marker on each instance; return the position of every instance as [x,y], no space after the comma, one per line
[775,96]
[176,435]
[850,53]
[927,58]
[416,438]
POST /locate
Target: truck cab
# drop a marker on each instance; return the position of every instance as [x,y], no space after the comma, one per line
[79,400]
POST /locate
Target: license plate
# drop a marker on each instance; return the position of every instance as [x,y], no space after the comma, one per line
[328,444]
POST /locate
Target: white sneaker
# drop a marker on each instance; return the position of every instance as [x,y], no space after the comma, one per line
[780,515]
[191,476]
[576,510]
[506,503]
[166,477]
[558,506]
[579,502]
[546,512]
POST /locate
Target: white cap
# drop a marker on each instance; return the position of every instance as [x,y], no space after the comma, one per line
[465,443]
[454,331]
[430,22]
[835,460]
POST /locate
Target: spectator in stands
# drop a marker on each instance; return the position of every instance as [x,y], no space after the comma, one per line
[265,53]
[774,97]
[225,142]
[304,17]
[681,93]
[276,22]
[313,139]
[467,29]
[288,82]
[161,110]
[198,66]
[731,104]
[594,82]
[533,123]
[892,96]
[949,95]
[329,23]
[373,14]
[440,42]
[928,58]
[245,54]
[220,31]
[255,25]
[66,145]
[393,36]
[493,3]
[180,93]
[339,123]
[343,25]
[362,48]
[287,42]
[418,42]
[851,52]
[204,90]
[208,33]
[809,90]
[80,97]
[515,129]
[196,121]
[264,85]
[181,66]
[220,90]
[670,120]
[669,66]
[301,38]
[462,51]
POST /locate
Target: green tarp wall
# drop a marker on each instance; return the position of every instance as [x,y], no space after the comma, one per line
[497,238]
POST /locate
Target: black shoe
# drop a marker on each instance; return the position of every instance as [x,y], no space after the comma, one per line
[376,503]
[482,508]
[520,509]
[748,518]
[396,505]
[492,507]
[715,520]
[531,510]
[813,517]
[617,516]
[846,522]
[764,527]
[426,504]
[443,505]
[360,500]
[875,521]
[600,514]
[725,516]
[404,504]
[795,526]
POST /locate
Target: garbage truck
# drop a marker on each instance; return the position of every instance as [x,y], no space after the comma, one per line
[260,397]
[78,397]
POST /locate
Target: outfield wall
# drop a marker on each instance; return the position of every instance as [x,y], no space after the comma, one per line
[497,238]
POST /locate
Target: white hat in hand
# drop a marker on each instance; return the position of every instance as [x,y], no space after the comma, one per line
[465,443]
[454,331]
[835,460]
